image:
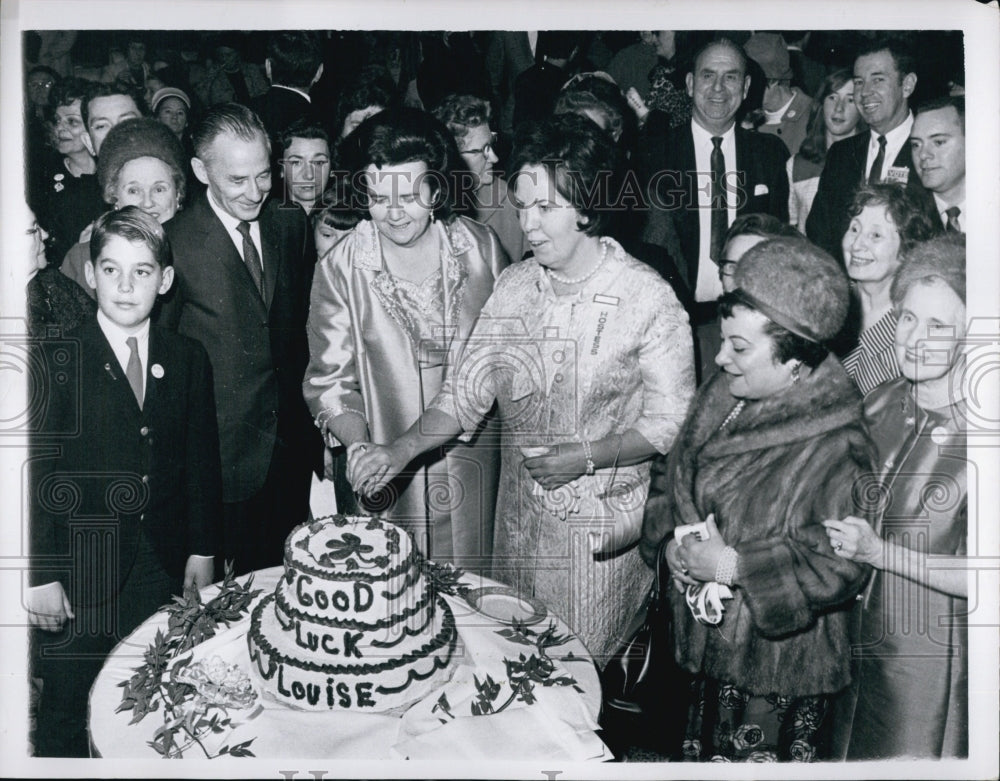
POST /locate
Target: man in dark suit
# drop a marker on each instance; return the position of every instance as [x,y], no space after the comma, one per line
[126,480]
[244,270]
[937,141]
[710,162]
[294,64]
[884,79]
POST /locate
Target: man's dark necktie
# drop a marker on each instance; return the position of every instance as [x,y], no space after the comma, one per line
[952,225]
[251,257]
[720,218]
[875,175]
[133,369]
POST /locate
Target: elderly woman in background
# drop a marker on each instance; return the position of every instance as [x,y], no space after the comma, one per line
[70,198]
[834,118]
[913,679]
[141,164]
[391,303]
[772,444]
[52,299]
[588,354]
[468,119]
[886,222]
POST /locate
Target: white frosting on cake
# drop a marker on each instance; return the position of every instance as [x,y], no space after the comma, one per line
[354,623]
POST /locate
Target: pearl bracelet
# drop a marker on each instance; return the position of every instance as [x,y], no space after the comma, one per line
[725,570]
[588,454]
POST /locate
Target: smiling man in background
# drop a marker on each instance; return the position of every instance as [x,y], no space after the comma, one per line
[884,79]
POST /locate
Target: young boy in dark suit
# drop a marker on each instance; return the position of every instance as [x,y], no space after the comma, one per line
[126,478]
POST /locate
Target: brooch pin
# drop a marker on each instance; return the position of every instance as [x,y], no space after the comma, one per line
[157,371]
[59,177]
[59,187]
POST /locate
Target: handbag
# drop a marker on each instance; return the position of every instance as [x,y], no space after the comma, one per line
[646,694]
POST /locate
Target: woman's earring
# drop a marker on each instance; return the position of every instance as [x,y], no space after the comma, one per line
[433,218]
[795,372]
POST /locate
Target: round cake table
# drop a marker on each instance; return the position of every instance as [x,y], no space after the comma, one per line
[555,722]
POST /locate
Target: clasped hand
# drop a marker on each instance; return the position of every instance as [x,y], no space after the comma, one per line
[693,561]
[563,464]
[371,467]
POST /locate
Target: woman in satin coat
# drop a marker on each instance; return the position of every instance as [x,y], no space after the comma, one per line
[391,305]
[912,683]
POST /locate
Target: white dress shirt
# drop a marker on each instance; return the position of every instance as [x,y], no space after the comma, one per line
[117,337]
[708,286]
[231,225]
[942,207]
[894,141]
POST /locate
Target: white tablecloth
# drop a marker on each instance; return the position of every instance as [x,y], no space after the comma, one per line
[558,726]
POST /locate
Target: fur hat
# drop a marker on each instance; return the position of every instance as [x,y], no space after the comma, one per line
[133,138]
[796,285]
[770,52]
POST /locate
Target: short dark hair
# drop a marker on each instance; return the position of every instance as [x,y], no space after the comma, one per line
[577,155]
[64,93]
[461,113]
[98,89]
[134,225]
[41,69]
[941,258]
[303,128]
[785,346]
[334,207]
[899,49]
[559,44]
[403,135]
[956,102]
[295,57]
[232,118]
[912,220]
[760,224]
[593,92]
[726,43]
[373,87]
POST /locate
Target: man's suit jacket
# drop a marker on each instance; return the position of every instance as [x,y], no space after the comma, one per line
[257,345]
[843,174]
[278,108]
[104,466]
[507,56]
[670,168]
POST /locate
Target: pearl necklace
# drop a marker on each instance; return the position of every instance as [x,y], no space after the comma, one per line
[577,280]
[734,413]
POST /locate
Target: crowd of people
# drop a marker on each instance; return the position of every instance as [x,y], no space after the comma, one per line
[545,300]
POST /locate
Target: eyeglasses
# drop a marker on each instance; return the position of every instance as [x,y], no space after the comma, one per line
[485,151]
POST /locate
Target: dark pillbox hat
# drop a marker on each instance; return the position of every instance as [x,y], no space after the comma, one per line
[795,284]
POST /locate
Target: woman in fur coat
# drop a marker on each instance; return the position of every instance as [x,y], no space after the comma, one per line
[772,444]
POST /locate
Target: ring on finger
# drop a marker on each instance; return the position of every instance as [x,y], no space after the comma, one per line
[838,545]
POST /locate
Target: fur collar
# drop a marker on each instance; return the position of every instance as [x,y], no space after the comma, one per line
[823,401]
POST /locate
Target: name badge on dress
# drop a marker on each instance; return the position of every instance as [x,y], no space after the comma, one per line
[600,298]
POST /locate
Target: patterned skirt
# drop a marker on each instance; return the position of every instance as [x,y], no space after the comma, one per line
[726,724]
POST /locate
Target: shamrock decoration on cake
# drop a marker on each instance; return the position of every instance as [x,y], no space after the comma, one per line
[345,549]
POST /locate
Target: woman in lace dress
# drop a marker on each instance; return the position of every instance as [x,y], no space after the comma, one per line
[391,303]
[589,356]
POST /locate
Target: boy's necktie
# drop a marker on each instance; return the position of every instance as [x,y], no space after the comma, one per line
[134,369]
